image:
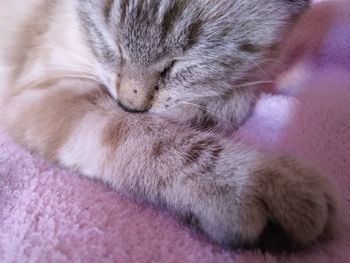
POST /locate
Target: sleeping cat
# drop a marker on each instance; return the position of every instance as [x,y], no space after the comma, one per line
[136,93]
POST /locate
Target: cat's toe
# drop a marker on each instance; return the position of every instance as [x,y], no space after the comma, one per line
[285,205]
[280,204]
[299,199]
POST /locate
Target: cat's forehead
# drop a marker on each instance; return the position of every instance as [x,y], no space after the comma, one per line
[150,30]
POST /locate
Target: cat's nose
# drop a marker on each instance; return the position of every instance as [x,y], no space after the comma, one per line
[134,96]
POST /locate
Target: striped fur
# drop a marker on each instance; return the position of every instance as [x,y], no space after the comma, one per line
[53,102]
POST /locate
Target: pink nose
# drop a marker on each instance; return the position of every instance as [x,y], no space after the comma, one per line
[133,96]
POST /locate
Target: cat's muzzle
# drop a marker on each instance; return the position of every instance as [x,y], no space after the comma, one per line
[134,96]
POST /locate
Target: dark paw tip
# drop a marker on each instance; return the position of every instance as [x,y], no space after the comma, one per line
[273,240]
[276,240]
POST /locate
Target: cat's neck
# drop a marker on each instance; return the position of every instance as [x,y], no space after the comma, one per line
[46,43]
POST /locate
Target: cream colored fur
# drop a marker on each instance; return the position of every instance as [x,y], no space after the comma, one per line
[52,106]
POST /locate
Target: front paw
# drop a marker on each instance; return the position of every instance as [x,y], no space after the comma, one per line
[281,191]
[300,199]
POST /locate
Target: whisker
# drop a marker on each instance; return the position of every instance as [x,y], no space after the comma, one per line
[72,66]
[257,65]
[241,141]
[220,96]
[78,76]
[74,55]
[255,83]
[28,85]
[71,71]
[210,111]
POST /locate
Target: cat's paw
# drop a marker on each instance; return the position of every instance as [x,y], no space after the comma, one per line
[281,194]
[299,199]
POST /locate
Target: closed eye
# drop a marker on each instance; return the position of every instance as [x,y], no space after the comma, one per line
[166,70]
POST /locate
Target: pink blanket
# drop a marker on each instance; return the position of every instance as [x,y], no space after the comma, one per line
[48,214]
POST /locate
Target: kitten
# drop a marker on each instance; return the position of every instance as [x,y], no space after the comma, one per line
[124,91]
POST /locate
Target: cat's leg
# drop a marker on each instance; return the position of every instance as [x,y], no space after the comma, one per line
[230,192]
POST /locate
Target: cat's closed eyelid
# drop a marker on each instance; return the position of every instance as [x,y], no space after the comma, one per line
[167,68]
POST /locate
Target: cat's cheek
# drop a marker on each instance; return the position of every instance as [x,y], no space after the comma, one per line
[79,144]
[165,106]
[108,79]
[157,110]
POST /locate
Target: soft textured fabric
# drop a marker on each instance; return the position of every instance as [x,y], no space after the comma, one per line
[48,214]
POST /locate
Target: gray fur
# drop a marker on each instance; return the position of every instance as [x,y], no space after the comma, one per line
[188,51]
[194,60]
[181,61]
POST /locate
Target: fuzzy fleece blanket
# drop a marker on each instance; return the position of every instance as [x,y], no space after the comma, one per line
[48,214]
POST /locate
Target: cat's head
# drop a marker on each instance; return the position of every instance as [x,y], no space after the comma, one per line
[164,55]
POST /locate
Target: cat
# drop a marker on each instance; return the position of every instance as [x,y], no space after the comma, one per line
[136,93]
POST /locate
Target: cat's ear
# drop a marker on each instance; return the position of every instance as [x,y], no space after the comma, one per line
[297,7]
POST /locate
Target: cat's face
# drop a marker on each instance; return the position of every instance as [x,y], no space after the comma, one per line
[161,55]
